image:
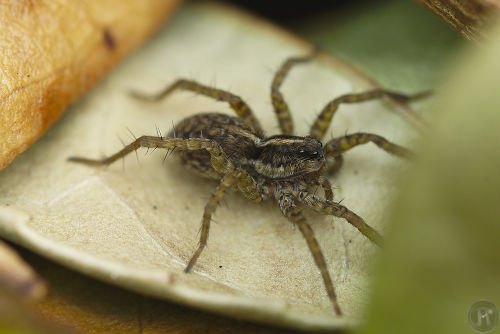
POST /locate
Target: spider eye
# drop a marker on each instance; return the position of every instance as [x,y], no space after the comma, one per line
[315,152]
[301,151]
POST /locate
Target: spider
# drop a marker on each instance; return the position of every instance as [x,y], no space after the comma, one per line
[283,168]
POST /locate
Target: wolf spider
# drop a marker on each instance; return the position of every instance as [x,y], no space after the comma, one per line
[284,167]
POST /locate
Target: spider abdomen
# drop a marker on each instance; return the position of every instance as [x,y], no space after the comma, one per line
[236,137]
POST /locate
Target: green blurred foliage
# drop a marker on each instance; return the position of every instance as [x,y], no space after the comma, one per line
[401,44]
[442,252]
[443,246]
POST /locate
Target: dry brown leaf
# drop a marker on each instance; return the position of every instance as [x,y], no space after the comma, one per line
[20,289]
[16,316]
[136,225]
[470,17]
[19,277]
[54,51]
[82,305]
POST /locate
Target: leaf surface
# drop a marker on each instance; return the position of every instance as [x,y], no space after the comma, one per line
[136,224]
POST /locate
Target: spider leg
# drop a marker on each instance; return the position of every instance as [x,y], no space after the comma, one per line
[225,183]
[248,187]
[332,168]
[327,187]
[235,102]
[217,156]
[293,213]
[337,146]
[321,124]
[327,207]
[280,106]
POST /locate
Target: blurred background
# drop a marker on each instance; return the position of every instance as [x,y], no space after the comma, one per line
[288,15]
[401,44]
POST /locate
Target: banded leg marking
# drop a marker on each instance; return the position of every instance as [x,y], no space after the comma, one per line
[235,102]
[321,124]
[293,213]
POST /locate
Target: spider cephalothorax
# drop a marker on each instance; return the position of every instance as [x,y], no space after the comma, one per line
[284,156]
[283,168]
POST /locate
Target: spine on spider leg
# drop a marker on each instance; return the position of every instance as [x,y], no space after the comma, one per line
[218,158]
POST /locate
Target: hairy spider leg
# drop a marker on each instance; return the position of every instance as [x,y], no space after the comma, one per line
[328,207]
[225,183]
[292,212]
[217,156]
[280,106]
[245,183]
[248,187]
[327,187]
[322,122]
[235,102]
[337,146]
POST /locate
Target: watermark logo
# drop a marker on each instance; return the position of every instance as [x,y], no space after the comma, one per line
[483,316]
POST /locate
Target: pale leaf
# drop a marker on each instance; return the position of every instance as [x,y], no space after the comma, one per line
[137,224]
